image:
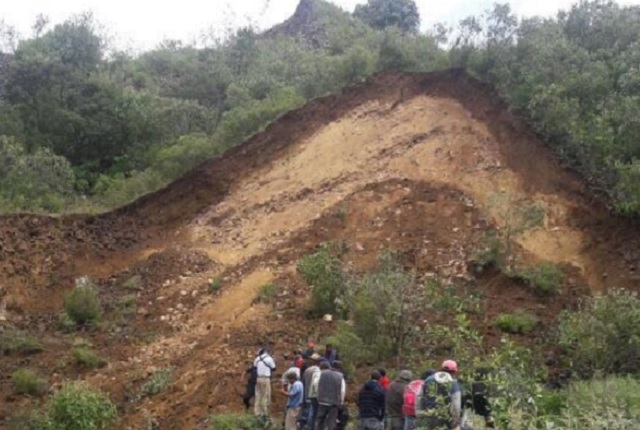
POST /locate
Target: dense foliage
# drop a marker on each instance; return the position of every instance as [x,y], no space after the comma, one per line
[85,127]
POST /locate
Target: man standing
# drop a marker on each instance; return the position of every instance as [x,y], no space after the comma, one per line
[371,404]
[265,366]
[395,400]
[294,405]
[440,406]
[311,379]
[331,392]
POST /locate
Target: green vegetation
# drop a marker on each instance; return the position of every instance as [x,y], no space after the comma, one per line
[82,304]
[267,294]
[214,285]
[402,14]
[545,278]
[13,340]
[602,336]
[322,272]
[87,357]
[134,283]
[233,422]
[157,382]
[77,406]
[26,381]
[519,322]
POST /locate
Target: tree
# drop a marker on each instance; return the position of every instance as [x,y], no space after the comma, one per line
[381,14]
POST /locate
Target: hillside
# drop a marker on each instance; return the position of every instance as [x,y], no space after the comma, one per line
[405,162]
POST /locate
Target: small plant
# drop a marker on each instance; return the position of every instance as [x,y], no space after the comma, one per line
[234,422]
[87,357]
[77,406]
[13,340]
[519,322]
[134,283]
[215,285]
[82,304]
[157,383]
[545,278]
[26,381]
[490,254]
[127,304]
[322,272]
[267,294]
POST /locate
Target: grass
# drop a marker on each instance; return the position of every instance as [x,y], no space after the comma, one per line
[267,294]
[134,283]
[545,278]
[214,285]
[157,383]
[13,340]
[519,322]
[82,305]
[27,382]
[233,422]
[87,357]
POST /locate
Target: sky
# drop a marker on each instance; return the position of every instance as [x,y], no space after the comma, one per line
[142,24]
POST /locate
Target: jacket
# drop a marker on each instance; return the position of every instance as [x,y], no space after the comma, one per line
[395,396]
[371,401]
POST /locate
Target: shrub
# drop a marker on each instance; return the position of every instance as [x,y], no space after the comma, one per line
[519,322]
[133,283]
[545,278]
[157,383]
[87,357]
[82,305]
[322,272]
[77,406]
[234,422]
[215,285]
[14,340]
[490,254]
[602,335]
[26,381]
[267,294]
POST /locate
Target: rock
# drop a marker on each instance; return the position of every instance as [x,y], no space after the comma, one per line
[184,293]
[328,318]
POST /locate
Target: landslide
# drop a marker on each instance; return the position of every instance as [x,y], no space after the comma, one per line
[406,162]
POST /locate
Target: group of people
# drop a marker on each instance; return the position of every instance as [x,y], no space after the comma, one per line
[315,387]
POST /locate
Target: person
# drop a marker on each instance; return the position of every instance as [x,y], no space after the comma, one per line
[293,370]
[480,396]
[311,349]
[311,378]
[440,404]
[343,410]
[395,400]
[295,392]
[371,404]
[265,366]
[412,395]
[251,375]
[331,393]
[385,382]
[331,354]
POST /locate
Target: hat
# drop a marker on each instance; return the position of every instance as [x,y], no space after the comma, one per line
[315,356]
[405,375]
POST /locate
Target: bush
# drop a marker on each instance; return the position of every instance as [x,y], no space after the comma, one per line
[77,406]
[519,322]
[14,340]
[322,272]
[157,383]
[234,422]
[490,254]
[26,381]
[545,278]
[82,305]
[87,357]
[215,285]
[134,283]
[603,334]
[267,294]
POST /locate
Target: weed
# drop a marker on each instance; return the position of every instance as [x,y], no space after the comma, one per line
[234,422]
[66,324]
[134,283]
[490,254]
[545,278]
[215,285]
[26,381]
[127,304]
[267,294]
[322,272]
[13,340]
[87,357]
[82,305]
[519,322]
[157,383]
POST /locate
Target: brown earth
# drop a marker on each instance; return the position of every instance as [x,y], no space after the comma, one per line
[423,164]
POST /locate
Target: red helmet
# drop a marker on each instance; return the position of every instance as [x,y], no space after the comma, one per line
[450,366]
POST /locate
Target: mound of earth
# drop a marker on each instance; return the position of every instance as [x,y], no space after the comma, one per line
[413,163]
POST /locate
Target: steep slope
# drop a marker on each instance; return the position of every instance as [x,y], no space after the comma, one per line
[408,162]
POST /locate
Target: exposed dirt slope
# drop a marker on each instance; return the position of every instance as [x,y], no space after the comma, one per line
[410,162]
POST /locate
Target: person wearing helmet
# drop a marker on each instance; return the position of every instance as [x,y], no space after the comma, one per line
[440,405]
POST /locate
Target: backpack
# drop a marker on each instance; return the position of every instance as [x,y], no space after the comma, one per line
[436,392]
[410,394]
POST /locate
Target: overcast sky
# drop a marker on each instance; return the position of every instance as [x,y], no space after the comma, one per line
[141,24]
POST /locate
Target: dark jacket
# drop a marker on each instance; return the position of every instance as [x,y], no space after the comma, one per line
[330,388]
[395,397]
[371,401]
